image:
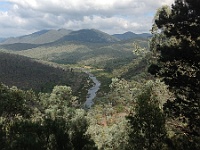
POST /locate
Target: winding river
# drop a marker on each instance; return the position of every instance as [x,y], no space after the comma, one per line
[92,91]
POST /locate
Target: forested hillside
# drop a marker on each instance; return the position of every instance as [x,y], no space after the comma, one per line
[18,46]
[87,47]
[26,73]
[99,55]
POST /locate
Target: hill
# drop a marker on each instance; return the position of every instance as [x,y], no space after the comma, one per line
[99,55]
[26,73]
[62,35]
[131,35]
[89,35]
[56,37]
[18,46]
[40,37]
[88,47]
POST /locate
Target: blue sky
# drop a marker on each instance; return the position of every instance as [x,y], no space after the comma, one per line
[20,17]
[4,6]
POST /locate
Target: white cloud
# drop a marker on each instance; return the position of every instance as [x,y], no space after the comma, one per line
[111,16]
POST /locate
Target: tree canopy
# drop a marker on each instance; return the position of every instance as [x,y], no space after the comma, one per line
[176,50]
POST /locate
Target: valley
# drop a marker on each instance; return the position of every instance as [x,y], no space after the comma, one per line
[83,85]
[77,49]
[98,69]
[64,85]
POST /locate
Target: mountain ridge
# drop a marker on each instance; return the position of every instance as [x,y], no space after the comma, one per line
[89,36]
[39,37]
[63,35]
[130,35]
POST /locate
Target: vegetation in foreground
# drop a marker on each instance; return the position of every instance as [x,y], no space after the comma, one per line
[42,121]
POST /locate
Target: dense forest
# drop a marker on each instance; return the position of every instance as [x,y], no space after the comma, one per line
[149,101]
[27,73]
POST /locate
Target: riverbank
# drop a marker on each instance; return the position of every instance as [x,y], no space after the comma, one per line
[92,91]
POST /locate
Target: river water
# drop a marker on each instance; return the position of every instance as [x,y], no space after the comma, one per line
[92,91]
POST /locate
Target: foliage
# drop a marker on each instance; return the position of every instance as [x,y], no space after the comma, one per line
[108,130]
[137,68]
[147,121]
[15,102]
[108,127]
[175,46]
[44,121]
[142,102]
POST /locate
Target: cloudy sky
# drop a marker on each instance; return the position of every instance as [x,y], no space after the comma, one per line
[20,17]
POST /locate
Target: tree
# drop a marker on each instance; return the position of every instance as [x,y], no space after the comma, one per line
[60,101]
[67,125]
[78,127]
[28,122]
[14,101]
[147,122]
[177,53]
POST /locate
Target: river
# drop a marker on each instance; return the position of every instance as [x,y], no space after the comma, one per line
[92,91]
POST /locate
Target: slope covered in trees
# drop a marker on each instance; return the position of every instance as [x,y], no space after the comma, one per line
[84,47]
[99,55]
[26,73]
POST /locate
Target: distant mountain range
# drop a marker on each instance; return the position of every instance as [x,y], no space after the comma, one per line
[131,35]
[89,36]
[2,39]
[40,37]
[63,35]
